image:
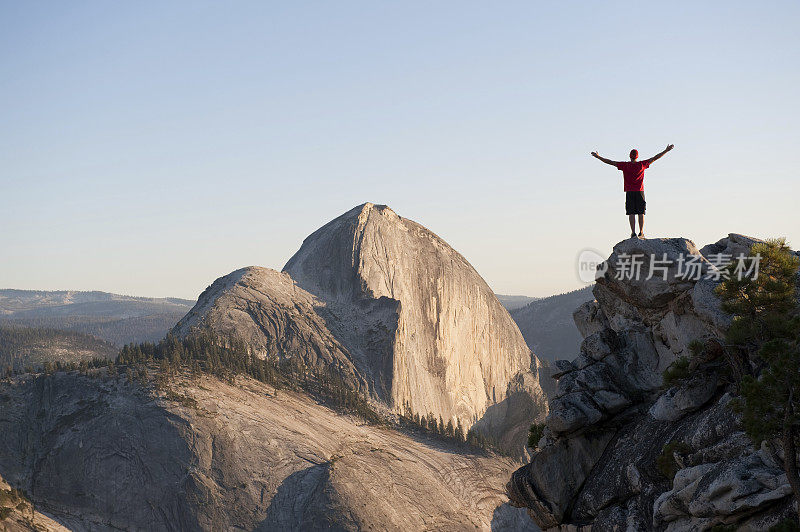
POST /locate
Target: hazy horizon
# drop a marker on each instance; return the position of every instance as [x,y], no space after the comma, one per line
[150,149]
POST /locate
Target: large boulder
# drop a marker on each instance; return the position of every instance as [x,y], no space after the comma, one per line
[719,493]
[732,245]
[564,467]
[649,274]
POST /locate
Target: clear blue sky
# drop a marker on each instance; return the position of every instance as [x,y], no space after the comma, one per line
[149,149]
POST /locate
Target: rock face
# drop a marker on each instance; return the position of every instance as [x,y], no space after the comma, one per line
[100,453]
[399,312]
[276,318]
[612,420]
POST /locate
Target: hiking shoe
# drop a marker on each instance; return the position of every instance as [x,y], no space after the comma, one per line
[641,235]
[633,235]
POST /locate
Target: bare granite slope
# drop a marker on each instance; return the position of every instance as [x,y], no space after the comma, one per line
[276,318]
[99,453]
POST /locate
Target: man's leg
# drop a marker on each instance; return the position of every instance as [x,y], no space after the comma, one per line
[641,223]
[632,220]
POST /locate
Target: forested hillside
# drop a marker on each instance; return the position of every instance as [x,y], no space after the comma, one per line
[23,347]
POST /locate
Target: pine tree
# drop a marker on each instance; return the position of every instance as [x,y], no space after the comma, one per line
[766,328]
[460,431]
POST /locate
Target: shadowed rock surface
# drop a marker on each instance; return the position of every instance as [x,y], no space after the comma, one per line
[612,420]
[398,312]
[99,453]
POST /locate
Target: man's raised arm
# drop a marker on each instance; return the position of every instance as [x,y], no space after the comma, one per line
[607,161]
[654,158]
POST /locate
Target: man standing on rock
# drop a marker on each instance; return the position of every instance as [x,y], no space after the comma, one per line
[633,174]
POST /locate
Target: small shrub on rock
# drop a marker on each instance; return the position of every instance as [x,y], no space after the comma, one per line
[676,372]
[666,463]
[535,434]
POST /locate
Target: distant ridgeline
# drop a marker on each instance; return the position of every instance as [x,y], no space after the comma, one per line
[68,327]
[548,327]
[514,302]
[112,317]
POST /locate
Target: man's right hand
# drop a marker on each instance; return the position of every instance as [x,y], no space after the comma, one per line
[594,154]
[670,147]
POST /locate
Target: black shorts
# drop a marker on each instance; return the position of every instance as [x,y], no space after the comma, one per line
[634,202]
